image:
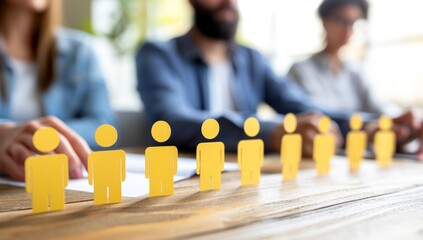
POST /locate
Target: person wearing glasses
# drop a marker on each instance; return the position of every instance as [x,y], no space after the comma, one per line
[325,77]
[334,83]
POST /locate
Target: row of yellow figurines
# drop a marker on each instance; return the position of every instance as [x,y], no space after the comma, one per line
[106,169]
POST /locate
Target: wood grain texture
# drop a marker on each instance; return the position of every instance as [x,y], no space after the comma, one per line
[13,198]
[374,203]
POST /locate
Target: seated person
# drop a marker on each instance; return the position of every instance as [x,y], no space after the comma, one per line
[206,74]
[325,77]
[48,77]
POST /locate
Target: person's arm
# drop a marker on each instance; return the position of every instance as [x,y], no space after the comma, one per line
[96,109]
[370,103]
[163,95]
[296,74]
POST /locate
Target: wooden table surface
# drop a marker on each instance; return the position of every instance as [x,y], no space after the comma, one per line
[372,204]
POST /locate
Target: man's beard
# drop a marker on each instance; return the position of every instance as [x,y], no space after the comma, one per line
[206,23]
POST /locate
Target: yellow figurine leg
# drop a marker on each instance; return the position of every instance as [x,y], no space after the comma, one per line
[286,173]
[294,170]
[167,186]
[215,181]
[245,177]
[100,193]
[115,193]
[205,180]
[57,200]
[39,202]
[327,167]
[155,187]
[319,168]
[255,177]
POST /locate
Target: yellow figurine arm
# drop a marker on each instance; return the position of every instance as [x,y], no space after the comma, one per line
[198,160]
[376,147]
[239,155]
[315,149]
[28,175]
[222,158]
[283,150]
[175,161]
[90,169]
[261,150]
[123,164]
[65,171]
[349,145]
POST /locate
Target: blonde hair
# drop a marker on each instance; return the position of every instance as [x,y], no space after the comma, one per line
[44,45]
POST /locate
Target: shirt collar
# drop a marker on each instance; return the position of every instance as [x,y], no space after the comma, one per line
[322,60]
[189,50]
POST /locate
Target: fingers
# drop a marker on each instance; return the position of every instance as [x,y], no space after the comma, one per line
[419,153]
[339,140]
[75,163]
[308,132]
[402,133]
[19,153]
[11,168]
[78,144]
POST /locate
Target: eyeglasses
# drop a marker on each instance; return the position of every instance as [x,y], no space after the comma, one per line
[343,22]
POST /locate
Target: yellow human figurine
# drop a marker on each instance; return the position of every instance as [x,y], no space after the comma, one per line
[356,142]
[384,143]
[250,154]
[324,147]
[290,148]
[210,157]
[107,169]
[46,176]
[161,163]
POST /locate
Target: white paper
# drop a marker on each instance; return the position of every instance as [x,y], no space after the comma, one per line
[135,184]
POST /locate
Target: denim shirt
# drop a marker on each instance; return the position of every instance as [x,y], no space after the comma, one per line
[78,95]
[172,82]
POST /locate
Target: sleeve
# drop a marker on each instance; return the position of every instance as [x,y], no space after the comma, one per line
[285,96]
[96,109]
[163,96]
[370,103]
[295,75]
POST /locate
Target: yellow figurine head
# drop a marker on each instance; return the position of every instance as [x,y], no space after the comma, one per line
[106,135]
[324,124]
[290,123]
[356,122]
[210,129]
[161,131]
[385,123]
[252,127]
[46,139]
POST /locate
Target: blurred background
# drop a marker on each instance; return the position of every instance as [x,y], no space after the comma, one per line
[389,46]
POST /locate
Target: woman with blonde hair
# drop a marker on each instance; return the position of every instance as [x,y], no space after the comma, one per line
[49,76]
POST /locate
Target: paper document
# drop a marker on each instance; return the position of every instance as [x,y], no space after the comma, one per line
[135,184]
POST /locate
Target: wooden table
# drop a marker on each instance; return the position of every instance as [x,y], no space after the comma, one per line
[372,204]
